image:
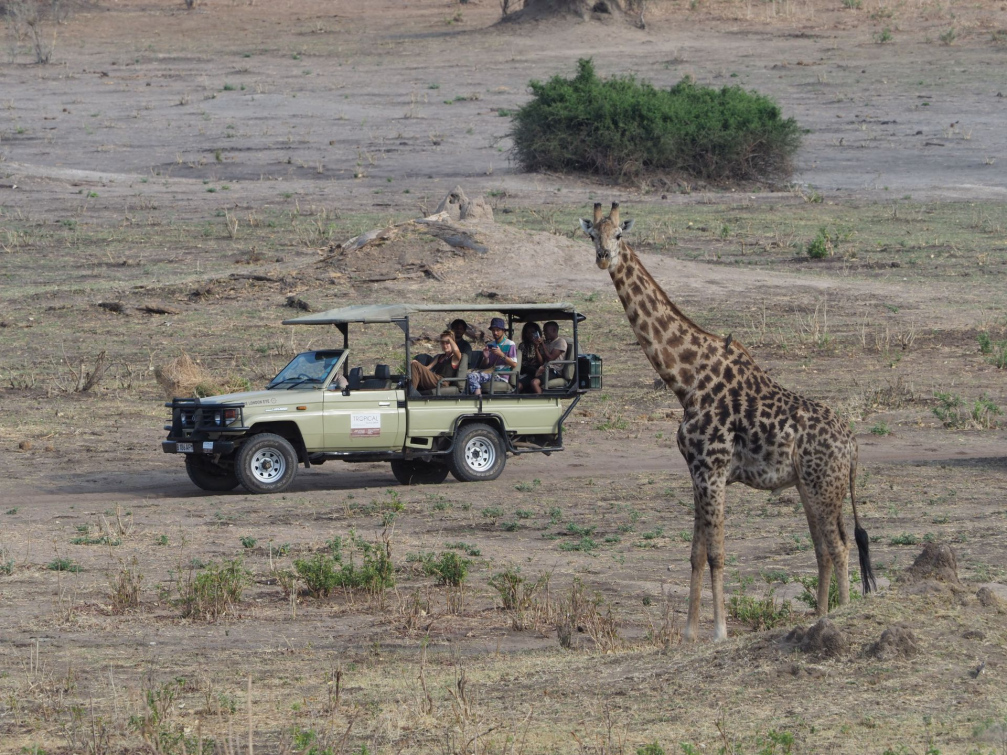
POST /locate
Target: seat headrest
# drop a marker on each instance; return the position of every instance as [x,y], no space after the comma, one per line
[355,376]
[382,372]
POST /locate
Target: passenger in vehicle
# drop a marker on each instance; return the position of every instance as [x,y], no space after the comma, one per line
[460,328]
[499,354]
[444,365]
[551,347]
[338,383]
[531,334]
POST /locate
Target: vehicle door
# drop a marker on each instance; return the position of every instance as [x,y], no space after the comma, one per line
[364,420]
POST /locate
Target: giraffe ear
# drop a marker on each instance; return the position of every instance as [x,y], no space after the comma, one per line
[586,225]
[628,225]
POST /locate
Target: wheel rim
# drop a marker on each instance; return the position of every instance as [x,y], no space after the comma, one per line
[480,454]
[268,465]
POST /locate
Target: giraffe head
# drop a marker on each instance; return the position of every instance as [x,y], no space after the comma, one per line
[607,235]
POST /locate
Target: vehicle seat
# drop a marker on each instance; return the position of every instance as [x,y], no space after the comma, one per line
[567,370]
[424,359]
[381,380]
[495,386]
[457,380]
[354,378]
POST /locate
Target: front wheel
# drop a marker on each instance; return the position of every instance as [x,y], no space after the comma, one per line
[478,454]
[418,472]
[207,475]
[266,463]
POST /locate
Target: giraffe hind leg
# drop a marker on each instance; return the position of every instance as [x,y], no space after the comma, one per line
[698,563]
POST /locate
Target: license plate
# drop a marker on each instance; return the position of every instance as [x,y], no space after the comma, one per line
[183,448]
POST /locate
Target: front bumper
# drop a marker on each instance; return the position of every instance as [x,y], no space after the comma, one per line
[222,447]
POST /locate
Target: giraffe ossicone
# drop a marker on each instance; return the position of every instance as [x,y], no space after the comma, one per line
[738,425]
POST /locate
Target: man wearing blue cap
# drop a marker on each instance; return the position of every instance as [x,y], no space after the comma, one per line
[499,354]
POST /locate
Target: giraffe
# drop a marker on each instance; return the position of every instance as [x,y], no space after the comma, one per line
[738,426]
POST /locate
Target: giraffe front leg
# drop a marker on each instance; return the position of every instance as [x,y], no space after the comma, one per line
[698,562]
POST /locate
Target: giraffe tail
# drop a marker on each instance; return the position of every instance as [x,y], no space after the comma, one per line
[859,533]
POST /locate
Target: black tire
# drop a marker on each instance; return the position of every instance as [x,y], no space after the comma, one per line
[418,472]
[266,463]
[478,454]
[207,475]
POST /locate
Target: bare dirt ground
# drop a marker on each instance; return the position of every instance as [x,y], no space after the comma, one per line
[208,162]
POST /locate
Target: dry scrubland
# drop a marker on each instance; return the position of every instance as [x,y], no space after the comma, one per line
[192,172]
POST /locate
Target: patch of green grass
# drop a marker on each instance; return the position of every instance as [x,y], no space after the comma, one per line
[99,540]
[528,487]
[469,550]
[63,564]
[881,428]
[584,545]
[760,613]
[906,538]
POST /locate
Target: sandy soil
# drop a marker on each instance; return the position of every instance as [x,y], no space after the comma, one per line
[311,122]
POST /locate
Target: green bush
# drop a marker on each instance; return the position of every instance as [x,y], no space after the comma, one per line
[450,569]
[214,591]
[322,573]
[628,129]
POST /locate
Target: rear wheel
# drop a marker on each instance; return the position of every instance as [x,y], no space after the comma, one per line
[208,475]
[418,472]
[266,463]
[478,454]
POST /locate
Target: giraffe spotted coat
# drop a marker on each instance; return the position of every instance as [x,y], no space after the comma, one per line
[739,425]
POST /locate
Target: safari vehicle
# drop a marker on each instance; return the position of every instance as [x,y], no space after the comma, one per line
[257,439]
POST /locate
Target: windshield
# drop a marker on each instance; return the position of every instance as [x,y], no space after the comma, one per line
[311,368]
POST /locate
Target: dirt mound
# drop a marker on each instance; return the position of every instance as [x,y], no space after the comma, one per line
[895,642]
[936,562]
[989,599]
[822,639]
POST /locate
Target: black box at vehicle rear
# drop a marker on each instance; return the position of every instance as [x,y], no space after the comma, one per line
[589,371]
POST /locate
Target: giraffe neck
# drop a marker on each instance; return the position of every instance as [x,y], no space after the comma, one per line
[675,346]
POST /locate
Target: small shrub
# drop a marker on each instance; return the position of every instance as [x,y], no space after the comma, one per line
[948,37]
[758,613]
[212,593]
[810,594]
[493,512]
[652,749]
[469,550]
[320,573]
[628,129]
[821,246]
[985,343]
[125,587]
[323,573]
[527,487]
[885,36]
[6,562]
[63,564]
[248,542]
[881,429]
[449,568]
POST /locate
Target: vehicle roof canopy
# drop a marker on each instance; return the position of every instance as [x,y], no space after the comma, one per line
[382,313]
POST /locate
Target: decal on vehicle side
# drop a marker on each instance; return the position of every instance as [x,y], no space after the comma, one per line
[365,424]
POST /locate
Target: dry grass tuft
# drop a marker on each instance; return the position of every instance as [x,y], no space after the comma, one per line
[183,376]
[180,376]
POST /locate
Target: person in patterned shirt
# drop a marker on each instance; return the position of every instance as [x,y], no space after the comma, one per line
[499,354]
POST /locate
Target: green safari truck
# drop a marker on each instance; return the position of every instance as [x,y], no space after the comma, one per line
[309,415]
